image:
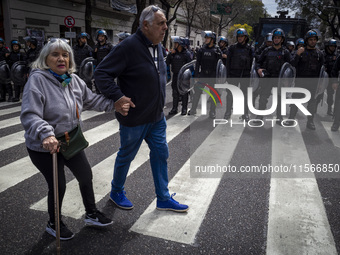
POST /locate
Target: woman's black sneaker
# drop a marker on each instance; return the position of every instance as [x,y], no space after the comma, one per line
[65,233]
[97,218]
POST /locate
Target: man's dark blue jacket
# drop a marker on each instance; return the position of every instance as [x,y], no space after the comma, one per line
[138,79]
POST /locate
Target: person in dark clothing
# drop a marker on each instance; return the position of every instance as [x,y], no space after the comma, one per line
[308,62]
[206,64]
[178,57]
[223,44]
[268,41]
[269,66]
[102,48]
[81,51]
[14,57]
[4,53]
[239,61]
[330,56]
[33,51]
[139,66]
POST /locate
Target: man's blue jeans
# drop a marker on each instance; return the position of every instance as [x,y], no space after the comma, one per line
[131,139]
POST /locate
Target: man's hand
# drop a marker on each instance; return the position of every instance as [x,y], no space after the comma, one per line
[300,51]
[224,55]
[260,72]
[123,105]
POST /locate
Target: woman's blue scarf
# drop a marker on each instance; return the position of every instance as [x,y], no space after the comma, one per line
[64,79]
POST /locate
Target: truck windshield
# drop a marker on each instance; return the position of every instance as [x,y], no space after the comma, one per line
[291,30]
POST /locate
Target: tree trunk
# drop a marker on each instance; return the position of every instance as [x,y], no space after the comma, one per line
[141,4]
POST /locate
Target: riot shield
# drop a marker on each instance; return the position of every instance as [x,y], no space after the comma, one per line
[19,73]
[5,74]
[184,81]
[86,69]
[254,77]
[221,72]
[286,77]
[322,82]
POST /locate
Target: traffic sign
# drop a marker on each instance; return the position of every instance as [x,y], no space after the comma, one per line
[69,21]
[70,34]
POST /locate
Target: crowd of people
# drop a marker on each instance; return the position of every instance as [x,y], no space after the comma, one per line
[130,78]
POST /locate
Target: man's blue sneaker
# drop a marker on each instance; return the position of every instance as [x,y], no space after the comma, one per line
[121,200]
[171,205]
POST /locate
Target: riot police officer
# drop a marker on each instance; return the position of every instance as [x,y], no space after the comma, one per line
[82,50]
[102,48]
[290,46]
[14,57]
[178,57]
[308,62]
[4,70]
[239,61]
[223,44]
[33,51]
[206,64]
[269,65]
[330,55]
[268,41]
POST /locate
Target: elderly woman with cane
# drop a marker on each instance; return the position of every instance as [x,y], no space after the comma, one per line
[53,100]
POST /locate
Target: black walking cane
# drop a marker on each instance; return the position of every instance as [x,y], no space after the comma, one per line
[56,201]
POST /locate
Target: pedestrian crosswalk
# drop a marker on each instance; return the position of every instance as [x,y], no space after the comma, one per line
[297,219]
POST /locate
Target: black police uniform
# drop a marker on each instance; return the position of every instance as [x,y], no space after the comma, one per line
[3,87]
[177,60]
[12,58]
[239,61]
[82,52]
[206,64]
[308,65]
[102,51]
[330,58]
[271,60]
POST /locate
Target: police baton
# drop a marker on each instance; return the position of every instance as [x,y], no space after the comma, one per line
[56,201]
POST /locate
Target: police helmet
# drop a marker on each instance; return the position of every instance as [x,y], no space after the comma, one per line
[15,42]
[242,31]
[269,37]
[2,40]
[311,33]
[83,34]
[290,43]
[101,32]
[178,39]
[223,39]
[32,40]
[331,42]
[209,34]
[123,35]
[299,41]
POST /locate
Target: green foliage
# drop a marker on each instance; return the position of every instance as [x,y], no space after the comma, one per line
[245,26]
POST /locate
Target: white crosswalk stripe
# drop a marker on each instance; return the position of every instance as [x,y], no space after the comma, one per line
[297,219]
[295,202]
